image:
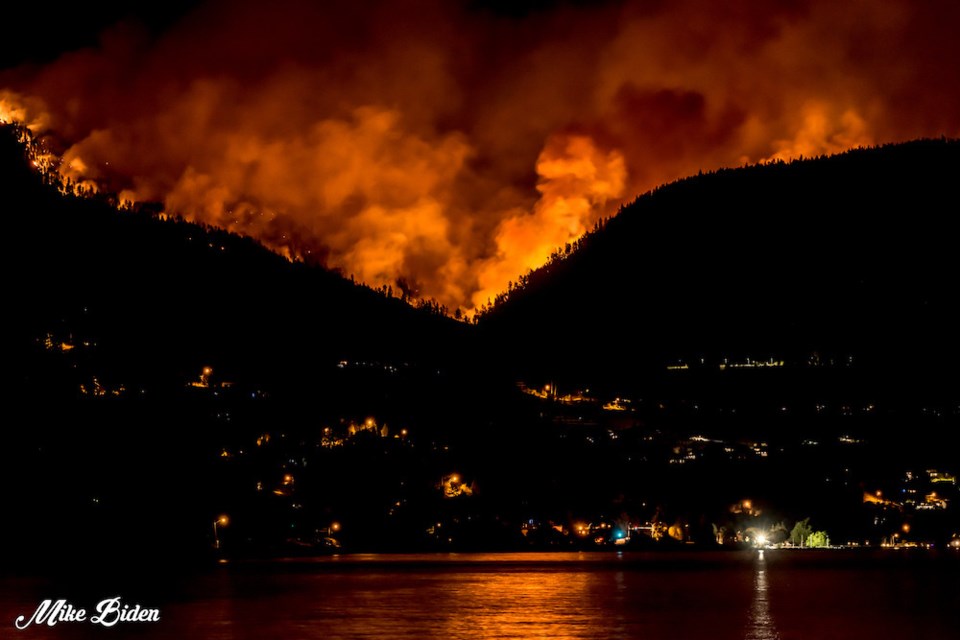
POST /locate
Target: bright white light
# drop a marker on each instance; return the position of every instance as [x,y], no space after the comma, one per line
[761,540]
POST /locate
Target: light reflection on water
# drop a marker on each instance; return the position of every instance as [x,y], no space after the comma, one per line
[564,596]
[559,596]
[524,606]
[761,625]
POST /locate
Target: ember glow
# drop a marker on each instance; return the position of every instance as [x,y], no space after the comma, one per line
[445,149]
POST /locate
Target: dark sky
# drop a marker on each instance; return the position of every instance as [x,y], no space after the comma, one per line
[30,32]
[28,35]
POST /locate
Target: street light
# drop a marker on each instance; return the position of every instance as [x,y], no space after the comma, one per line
[330,529]
[221,521]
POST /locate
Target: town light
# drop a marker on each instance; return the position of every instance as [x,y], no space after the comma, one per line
[761,540]
[222,521]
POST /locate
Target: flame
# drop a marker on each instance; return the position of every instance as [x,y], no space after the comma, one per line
[15,107]
[576,181]
[819,132]
[446,148]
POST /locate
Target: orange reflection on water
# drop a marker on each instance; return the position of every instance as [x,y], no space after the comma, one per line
[523,604]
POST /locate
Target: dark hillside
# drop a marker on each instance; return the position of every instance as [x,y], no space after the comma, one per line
[164,298]
[851,256]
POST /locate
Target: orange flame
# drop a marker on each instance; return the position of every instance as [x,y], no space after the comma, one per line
[576,181]
[452,148]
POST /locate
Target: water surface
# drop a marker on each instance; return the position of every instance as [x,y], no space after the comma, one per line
[717,596]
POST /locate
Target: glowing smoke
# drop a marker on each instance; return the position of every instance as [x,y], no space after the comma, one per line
[452,149]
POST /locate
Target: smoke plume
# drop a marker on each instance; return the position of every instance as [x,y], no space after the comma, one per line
[449,148]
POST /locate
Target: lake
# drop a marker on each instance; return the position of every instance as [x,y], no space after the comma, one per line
[681,595]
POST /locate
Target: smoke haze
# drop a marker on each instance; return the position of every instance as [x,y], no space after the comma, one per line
[448,148]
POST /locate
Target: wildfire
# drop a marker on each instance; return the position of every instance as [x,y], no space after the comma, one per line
[576,181]
[444,151]
[17,108]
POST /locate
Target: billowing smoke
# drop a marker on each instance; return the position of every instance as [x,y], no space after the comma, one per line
[449,148]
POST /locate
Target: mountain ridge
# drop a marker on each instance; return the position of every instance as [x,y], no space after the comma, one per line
[777,260]
[158,285]
[800,247]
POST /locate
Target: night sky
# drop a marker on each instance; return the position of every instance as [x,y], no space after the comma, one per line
[446,148]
